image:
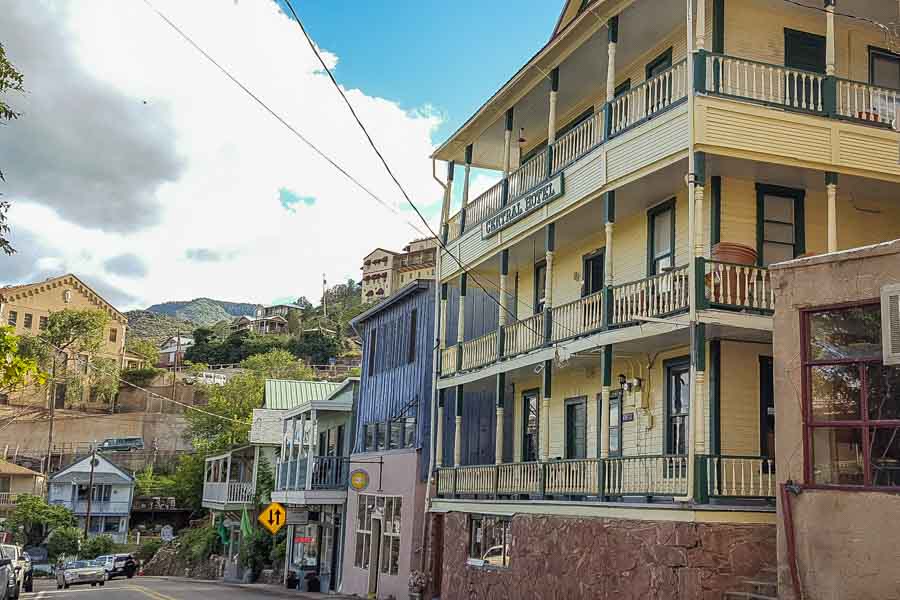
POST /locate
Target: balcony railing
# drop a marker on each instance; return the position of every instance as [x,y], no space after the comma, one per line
[614,478]
[649,98]
[328,473]
[578,142]
[735,286]
[524,336]
[578,317]
[654,296]
[867,102]
[7,498]
[448,360]
[528,175]
[479,352]
[740,476]
[232,492]
[771,84]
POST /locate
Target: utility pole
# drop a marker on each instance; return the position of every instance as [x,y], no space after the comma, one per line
[174,368]
[51,405]
[324,298]
[90,494]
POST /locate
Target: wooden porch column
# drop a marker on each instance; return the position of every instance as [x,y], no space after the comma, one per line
[504,283]
[701,25]
[612,28]
[606,382]
[544,426]
[554,94]
[548,279]
[439,432]
[442,334]
[461,324]
[498,442]
[700,397]
[465,191]
[448,199]
[507,142]
[310,452]
[299,448]
[457,433]
[829,37]
[831,180]
[699,187]
[609,209]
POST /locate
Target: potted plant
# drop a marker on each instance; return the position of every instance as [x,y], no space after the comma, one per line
[418,581]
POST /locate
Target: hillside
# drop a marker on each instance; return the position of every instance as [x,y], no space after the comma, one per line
[155,327]
[203,311]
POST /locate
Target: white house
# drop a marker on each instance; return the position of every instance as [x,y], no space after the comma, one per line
[110,496]
[171,351]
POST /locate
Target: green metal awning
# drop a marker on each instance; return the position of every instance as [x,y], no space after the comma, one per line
[283,394]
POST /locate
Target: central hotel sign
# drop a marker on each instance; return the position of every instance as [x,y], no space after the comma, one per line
[524,206]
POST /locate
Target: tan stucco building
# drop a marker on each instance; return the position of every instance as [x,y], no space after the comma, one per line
[27,307]
[385,271]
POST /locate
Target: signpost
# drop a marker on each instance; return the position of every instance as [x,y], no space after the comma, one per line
[272,517]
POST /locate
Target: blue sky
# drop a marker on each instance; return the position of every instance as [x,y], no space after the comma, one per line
[451,55]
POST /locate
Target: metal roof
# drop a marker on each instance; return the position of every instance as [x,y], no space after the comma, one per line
[285,394]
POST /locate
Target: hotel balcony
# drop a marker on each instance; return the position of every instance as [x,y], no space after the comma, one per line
[308,479]
[228,480]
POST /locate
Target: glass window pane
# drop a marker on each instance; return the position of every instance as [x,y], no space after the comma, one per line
[885,444]
[885,71]
[395,555]
[410,432]
[837,455]
[613,439]
[845,333]
[614,413]
[774,252]
[396,434]
[397,511]
[778,232]
[835,392]
[883,392]
[662,233]
[779,208]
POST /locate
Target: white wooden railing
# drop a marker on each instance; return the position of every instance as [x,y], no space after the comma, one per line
[233,491]
[573,477]
[524,335]
[454,227]
[651,97]
[740,476]
[475,480]
[646,476]
[7,498]
[652,297]
[867,102]
[577,317]
[528,175]
[519,478]
[742,286]
[448,360]
[480,351]
[486,204]
[763,82]
[577,142]
[445,481]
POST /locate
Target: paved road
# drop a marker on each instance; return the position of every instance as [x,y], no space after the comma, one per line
[158,588]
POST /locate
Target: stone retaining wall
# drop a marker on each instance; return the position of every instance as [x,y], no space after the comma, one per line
[616,559]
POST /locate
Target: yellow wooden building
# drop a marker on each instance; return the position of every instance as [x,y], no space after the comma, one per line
[653,158]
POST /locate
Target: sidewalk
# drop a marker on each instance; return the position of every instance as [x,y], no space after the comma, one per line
[280,590]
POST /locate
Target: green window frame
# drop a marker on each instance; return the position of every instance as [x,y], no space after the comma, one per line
[769,226]
[655,256]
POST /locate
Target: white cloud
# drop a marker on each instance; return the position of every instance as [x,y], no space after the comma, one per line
[235,157]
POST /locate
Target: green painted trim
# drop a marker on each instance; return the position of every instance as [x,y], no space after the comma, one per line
[799,196]
[548,326]
[700,283]
[459,401]
[831,178]
[700,71]
[547,374]
[504,263]
[468,158]
[699,353]
[652,212]
[509,119]
[829,95]
[551,237]
[701,483]
[444,291]
[715,192]
[700,168]
[612,30]
[668,365]
[441,400]
[451,168]
[500,390]
[554,79]
[609,206]
[606,365]
[664,57]
[715,397]
[463,283]
[718,32]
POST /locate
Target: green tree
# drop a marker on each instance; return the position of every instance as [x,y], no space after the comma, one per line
[187,481]
[17,369]
[146,349]
[63,542]
[97,545]
[277,364]
[265,483]
[293,320]
[33,517]
[10,81]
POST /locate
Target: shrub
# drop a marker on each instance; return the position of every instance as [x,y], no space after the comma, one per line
[198,544]
[97,546]
[64,541]
[148,549]
[141,377]
[255,551]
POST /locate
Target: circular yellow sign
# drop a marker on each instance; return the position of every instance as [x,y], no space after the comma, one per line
[359,480]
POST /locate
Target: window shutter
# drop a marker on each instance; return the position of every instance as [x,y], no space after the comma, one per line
[890,324]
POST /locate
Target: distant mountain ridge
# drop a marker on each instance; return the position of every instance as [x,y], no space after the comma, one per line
[143,324]
[204,311]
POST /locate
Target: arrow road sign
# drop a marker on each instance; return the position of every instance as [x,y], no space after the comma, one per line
[272,517]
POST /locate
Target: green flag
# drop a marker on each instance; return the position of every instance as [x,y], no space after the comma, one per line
[246,525]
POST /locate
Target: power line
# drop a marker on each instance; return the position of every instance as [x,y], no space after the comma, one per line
[391,173]
[277,116]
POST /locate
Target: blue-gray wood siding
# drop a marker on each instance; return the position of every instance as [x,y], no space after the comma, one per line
[482,311]
[399,388]
[479,423]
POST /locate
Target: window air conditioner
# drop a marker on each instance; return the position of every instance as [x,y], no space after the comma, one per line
[890,324]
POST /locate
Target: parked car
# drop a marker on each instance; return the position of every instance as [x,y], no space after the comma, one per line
[122,444]
[117,565]
[79,572]
[22,566]
[7,574]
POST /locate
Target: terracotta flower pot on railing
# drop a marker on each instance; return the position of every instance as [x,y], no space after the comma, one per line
[736,284]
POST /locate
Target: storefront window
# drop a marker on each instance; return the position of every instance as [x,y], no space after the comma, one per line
[381,514]
[390,536]
[489,541]
[305,553]
[853,400]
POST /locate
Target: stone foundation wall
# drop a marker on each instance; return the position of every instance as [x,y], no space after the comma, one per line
[616,559]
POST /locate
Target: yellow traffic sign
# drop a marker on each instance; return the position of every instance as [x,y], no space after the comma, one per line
[273,517]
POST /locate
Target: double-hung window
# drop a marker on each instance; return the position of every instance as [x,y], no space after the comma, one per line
[661,237]
[852,400]
[884,72]
[490,540]
[779,224]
